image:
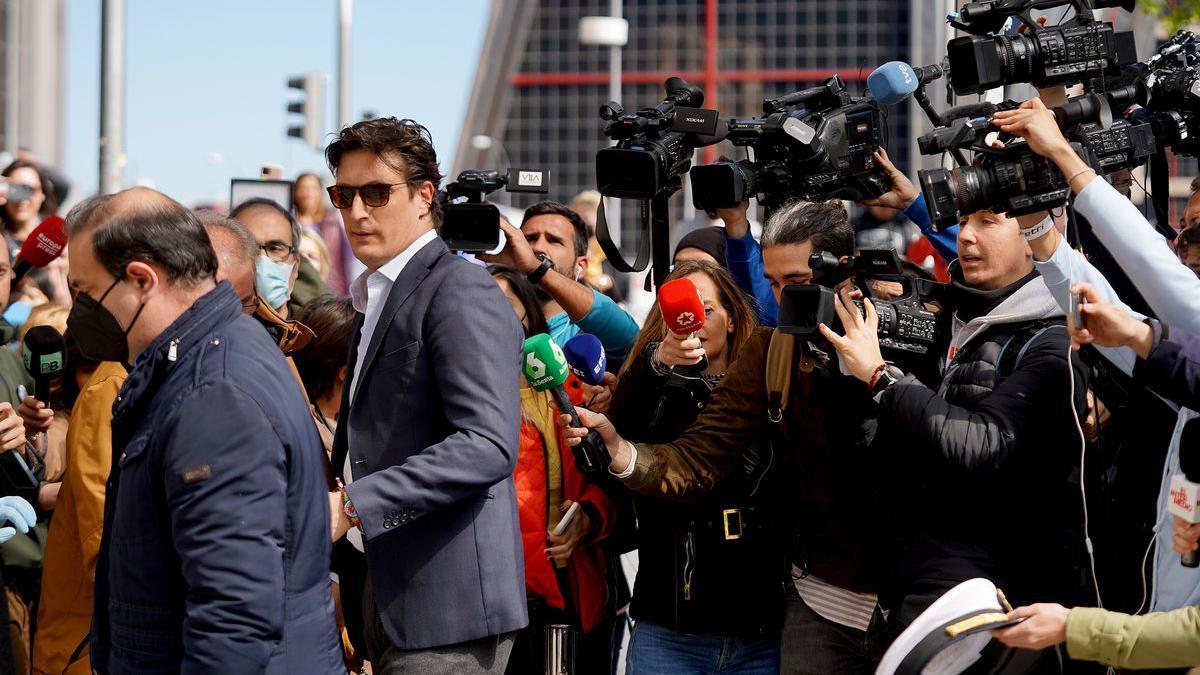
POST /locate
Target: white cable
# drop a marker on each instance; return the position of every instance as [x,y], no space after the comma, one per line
[1087,538]
[1146,584]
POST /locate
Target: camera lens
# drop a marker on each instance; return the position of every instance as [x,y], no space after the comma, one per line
[973,188]
[1017,54]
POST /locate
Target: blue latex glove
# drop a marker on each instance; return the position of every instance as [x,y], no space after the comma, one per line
[18,512]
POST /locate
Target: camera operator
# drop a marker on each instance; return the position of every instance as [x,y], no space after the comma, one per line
[1171,290]
[551,250]
[744,256]
[973,439]
[823,435]
[1166,362]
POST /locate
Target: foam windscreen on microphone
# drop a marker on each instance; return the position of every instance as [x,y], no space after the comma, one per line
[970,110]
[586,358]
[45,353]
[45,350]
[43,245]
[892,82]
[543,363]
[682,308]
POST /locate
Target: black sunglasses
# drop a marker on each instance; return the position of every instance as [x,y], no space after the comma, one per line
[373,194]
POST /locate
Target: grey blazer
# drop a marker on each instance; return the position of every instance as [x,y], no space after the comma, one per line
[432,438]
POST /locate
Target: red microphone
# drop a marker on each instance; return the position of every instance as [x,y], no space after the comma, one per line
[41,248]
[682,310]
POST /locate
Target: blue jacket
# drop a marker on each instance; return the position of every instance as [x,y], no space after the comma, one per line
[432,435]
[215,553]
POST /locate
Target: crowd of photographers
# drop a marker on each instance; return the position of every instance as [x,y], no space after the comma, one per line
[333,438]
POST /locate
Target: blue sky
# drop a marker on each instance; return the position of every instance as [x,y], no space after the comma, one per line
[206,82]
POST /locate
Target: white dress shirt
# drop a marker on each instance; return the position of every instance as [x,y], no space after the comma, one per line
[368,293]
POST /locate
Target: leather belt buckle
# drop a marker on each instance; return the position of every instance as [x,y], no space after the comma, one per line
[732,520]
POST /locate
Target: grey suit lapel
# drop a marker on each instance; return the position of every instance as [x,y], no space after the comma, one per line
[410,277]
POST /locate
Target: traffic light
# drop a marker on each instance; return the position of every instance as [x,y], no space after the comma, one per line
[310,104]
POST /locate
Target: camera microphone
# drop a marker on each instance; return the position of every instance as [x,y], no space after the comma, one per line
[586,358]
[970,111]
[545,369]
[683,312]
[895,81]
[41,247]
[45,358]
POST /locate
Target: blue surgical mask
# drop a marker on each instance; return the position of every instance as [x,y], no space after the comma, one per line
[273,279]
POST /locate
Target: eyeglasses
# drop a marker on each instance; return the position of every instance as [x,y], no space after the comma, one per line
[278,251]
[373,194]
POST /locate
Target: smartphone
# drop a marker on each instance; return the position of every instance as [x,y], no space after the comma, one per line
[566,520]
[1075,307]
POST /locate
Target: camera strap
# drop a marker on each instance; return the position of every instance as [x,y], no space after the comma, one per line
[1160,191]
[655,240]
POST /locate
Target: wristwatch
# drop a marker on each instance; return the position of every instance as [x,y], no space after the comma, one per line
[535,277]
[887,377]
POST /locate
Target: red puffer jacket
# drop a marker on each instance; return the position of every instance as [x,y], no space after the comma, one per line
[586,566]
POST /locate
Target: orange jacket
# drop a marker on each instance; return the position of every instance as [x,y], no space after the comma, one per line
[69,566]
[586,566]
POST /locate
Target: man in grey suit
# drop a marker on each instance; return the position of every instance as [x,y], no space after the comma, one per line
[428,436]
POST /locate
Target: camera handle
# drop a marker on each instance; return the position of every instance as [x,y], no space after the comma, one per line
[653,247]
[922,99]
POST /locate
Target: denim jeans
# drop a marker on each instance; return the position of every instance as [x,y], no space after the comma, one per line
[814,645]
[654,649]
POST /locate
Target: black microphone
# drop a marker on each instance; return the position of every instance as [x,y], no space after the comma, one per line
[45,358]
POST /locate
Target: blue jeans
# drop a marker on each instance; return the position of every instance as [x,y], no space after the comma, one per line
[654,650]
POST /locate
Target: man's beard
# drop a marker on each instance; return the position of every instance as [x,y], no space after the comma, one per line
[544,297]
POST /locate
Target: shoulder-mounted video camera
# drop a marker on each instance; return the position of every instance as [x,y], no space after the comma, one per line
[817,143]
[906,324]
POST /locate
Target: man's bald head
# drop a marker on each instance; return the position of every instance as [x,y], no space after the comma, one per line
[144,225]
[236,251]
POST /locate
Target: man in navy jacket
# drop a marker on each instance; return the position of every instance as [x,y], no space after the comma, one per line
[215,552]
[430,420]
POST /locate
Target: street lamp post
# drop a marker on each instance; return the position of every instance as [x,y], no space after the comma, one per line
[112,96]
[613,32]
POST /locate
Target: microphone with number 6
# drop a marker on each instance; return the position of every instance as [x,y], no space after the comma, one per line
[1184,499]
[45,358]
[586,359]
[683,313]
[545,369]
[43,245]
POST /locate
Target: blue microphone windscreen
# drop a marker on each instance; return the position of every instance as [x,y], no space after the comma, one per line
[586,358]
[892,82]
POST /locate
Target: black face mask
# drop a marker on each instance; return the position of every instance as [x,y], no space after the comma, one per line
[96,330]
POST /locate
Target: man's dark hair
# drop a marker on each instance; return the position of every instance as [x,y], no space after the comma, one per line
[263,202]
[331,317]
[826,224]
[215,221]
[159,231]
[403,144]
[578,226]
